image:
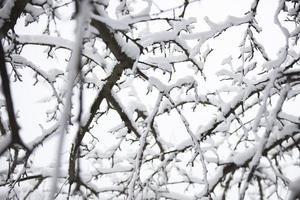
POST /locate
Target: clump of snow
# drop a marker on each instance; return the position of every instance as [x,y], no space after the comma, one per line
[6,9]
[294,189]
[4,192]
[153,81]
[227,60]
[240,158]
[40,2]
[5,141]
[281,56]
[129,48]
[114,24]
[162,36]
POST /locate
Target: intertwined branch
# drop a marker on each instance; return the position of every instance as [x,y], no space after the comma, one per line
[133,67]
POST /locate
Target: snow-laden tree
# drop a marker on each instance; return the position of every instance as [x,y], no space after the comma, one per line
[149,99]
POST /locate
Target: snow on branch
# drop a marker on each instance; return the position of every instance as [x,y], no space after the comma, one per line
[125,113]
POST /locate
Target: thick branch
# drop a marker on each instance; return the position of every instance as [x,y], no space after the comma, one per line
[9,103]
[15,13]
[124,62]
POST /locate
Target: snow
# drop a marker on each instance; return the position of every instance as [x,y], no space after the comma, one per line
[4,190]
[294,189]
[59,42]
[142,143]
[45,133]
[50,75]
[272,64]
[163,63]
[5,141]
[228,137]
[128,111]
[39,2]
[215,29]
[187,81]
[212,181]
[172,58]
[295,32]
[72,69]
[94,80]
[290,117]
[129,48]
[34,11]
[146,10]
[223,127]
[153,81]
[115,169]
[161,36]
[108,188]
[240,158]
[227,60]
[6,10]
[114,24]
[263,141]
[174,195]
[283,29]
